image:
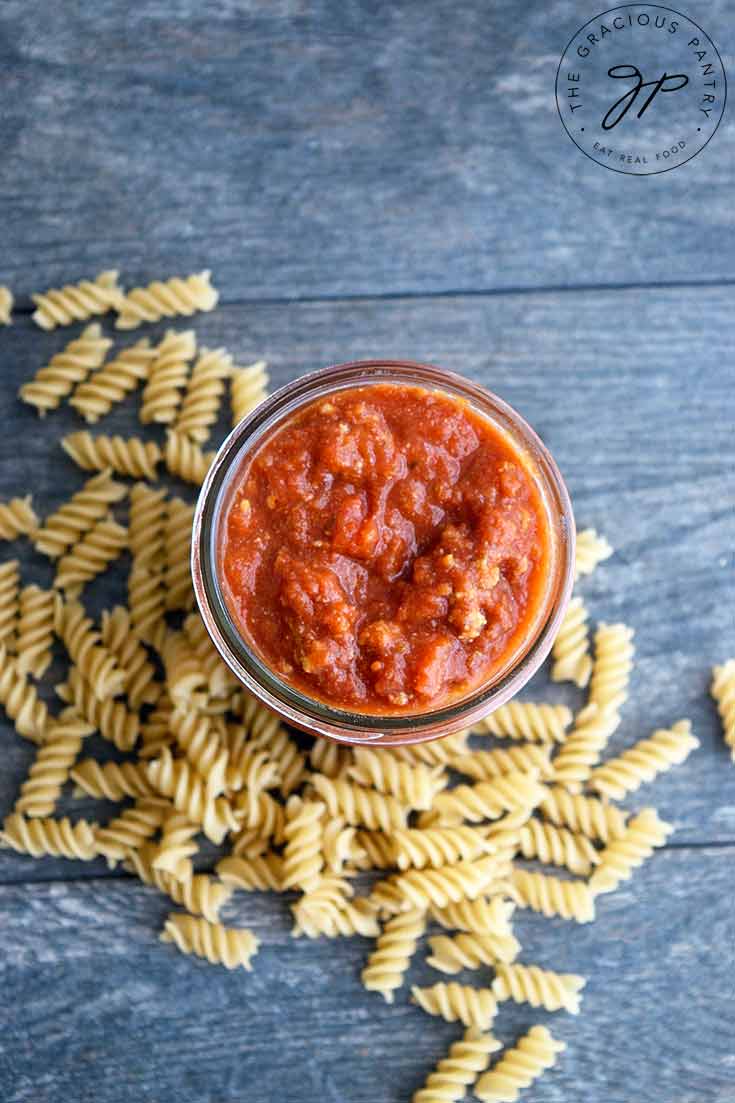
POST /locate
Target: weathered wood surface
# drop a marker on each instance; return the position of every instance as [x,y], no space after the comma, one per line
[641,425]
[338,147]
[96,1010]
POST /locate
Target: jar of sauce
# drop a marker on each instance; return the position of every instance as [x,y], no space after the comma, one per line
[383,552]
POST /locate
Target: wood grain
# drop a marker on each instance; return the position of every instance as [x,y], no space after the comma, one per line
[96,1009]
[330,148]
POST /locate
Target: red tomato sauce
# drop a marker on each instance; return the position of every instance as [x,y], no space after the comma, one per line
[385,550]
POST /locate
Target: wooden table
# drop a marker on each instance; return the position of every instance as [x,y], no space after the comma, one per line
[366,180]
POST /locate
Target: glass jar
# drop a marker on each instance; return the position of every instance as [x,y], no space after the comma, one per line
[313,715]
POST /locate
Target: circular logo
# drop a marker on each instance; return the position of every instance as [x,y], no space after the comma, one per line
[641,89]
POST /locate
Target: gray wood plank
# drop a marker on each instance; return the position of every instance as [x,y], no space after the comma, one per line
[95,1009]
[642,429]
[332,148]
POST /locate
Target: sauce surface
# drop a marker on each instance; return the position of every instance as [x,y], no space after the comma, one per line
[385,550]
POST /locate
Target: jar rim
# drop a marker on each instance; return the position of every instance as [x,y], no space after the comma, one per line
[311,714]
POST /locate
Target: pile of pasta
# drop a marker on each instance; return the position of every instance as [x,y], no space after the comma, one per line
[521,813]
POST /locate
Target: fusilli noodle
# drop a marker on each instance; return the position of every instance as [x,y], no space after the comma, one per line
[205,387]
[487,765]
[422,888]
[612,666]
[519,1067]
[470,951]
[79,514]
[50,770]
[486,800]
[583,746]
[438,846]
[525,720]
[571,651]
[483,917]
[134,457]
[552,896]
[415,786]
[9,601]
[587,815]
[538,987]
[175,779]
[17,518]
[176,847]
[57,838]
[723,691]
[261,873]
[129,830]
[302,857]
[185,459]
[113,781]
[621,856]
[392,955]
[35,630]
[20,700]
[97,665]
[475,1007]
[117,635]
[591,549]
[167,377]
[113,721]
[248,388]
[60,306]
[66,369]
[95,397]
[219,945]
[641,763]
[104,542]
[359,806]
[558,846]
[459,1069]
[166,299]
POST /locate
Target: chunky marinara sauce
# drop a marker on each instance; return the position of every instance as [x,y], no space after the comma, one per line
[385,550]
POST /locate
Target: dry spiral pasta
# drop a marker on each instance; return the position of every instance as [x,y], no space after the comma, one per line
[359,806]
[57,838]
[302,857]
[437,846]
[176,847]
[35,630]
[621,856]
[77,301]
[185,459]
[95,397]
[470,951]
[328,758]
[261,811]
[9,601]
[529,721]
[551,896]
[21,701]
[203,748]
[286,755]
[219,945]
[90,556]
[133,457]
[175,779]
[326,910]
[251,767]
[204,390]
[571,651]
[375,850]
[141,687]
[558,846]
[248,388]
[414,786]
[483,916]
[538,987]
[184,673]
[50,770]
[438,887]
[66,369]
[147,525]
[177,577]
[79,514]
[485,800]
[587,815]
[440,751]
[97,665]
[519,1067]
[167,377]
[219,678]
[166,299]
[612,666]
[486,765]
[723,691]
[261,873]
[113,781]
[583,746]
[110,717]
[339,846]
[396,945]
[475,1007]
[455,1073]
[17,518]
[641,763]
[200,894]
[6,305]
[591,549]
[129,830]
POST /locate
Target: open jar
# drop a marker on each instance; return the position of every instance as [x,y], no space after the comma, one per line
[264,678]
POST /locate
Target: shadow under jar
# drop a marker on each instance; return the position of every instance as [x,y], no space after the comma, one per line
[383,552]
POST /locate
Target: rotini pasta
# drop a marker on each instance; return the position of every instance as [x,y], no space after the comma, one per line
[97,665]
[621,856]
[219,678]
[262,873]
[475,1007]
[134,457]
[459,1069]
[375,850]
[41,790]
[20,700]
[286,756]
[482,917]
[95,397]
[470,951]
[538,987]
[175,779]
[487,765]
[248,388]
[167,377]
[571,651]
[203,747]
[591,549]
[141,687]
[328,758]
[393,951]
[113,781]
[185,459]
[519,1067]
[551,896]
[434,847]
[79,514]
[584,745]
[558,846]
[302,857]
[176,847]
[414,786]
[438,887]
[35,630]
[359,807]
[9,602]
[200,894]
[251,768]
[147,526]
[78,301]
[168,299]
[723,692]
[440,752]
[486,800]
[612,667]
[90,556]
[587,815]
[524,720]
[219,945]
[129,830]
[339,846]
[641,763]
[184,674]
[17,518]
[204,390]
[57,838]
[177,577]
[6,305]
[327,911]
[65,370]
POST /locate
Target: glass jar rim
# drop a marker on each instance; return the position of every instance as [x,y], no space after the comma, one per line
[311,714]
